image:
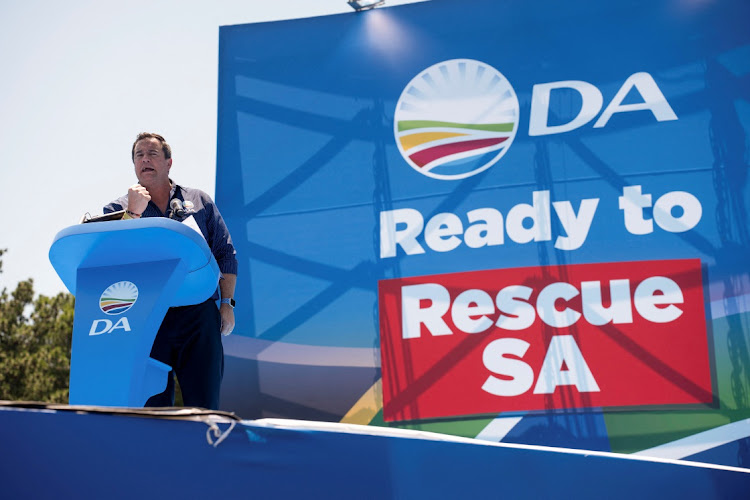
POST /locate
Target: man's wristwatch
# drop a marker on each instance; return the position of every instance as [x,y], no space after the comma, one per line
[228,301]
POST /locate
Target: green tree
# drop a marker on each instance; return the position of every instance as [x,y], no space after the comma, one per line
[35,340]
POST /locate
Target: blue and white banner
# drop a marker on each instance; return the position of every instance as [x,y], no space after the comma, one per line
[505,193]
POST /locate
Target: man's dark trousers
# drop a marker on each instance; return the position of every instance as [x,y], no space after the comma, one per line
[189,340]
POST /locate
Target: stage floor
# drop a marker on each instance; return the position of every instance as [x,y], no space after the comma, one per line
[60,451]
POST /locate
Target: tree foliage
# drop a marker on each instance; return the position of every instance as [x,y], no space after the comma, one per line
[35,340]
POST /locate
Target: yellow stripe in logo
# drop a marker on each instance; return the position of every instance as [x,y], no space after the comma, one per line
[413,140]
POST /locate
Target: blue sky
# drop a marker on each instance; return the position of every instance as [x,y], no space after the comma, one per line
[80,79]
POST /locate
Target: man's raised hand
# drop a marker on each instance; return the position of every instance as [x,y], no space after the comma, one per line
[138,199]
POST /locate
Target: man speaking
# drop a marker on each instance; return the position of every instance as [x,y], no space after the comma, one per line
[189,338]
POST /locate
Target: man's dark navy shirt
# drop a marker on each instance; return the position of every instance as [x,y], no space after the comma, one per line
[206,215]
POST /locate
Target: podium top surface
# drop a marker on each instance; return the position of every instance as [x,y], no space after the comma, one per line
[127,242]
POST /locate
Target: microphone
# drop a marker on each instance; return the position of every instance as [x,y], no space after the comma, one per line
[178,209]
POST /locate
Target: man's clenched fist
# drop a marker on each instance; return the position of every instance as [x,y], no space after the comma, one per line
[138,198]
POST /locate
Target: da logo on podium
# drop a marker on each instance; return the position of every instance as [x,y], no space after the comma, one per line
[115,300]
[456,119]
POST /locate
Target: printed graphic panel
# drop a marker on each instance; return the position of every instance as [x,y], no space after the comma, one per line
[464,144]
[587,335]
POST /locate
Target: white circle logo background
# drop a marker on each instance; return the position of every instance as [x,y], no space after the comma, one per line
[456,119]
[118,298]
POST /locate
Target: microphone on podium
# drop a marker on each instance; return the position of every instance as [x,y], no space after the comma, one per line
[177,208]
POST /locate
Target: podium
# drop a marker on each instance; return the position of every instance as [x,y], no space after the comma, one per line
[125,275]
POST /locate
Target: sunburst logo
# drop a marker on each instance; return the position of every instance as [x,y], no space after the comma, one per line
[118,298]
[456,119]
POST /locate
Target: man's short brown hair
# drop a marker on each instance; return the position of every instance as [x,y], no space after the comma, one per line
[150,135]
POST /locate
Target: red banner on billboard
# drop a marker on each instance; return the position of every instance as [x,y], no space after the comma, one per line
[542,338]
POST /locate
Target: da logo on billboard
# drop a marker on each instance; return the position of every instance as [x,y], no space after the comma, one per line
[456,119]
[116,299]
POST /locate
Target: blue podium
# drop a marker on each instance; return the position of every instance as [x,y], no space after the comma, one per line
[125,275]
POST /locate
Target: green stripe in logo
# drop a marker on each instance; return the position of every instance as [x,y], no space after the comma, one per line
[490,127]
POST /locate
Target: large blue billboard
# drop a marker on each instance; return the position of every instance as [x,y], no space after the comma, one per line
[518,221]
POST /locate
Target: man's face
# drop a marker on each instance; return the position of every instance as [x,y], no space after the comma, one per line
[151,167]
